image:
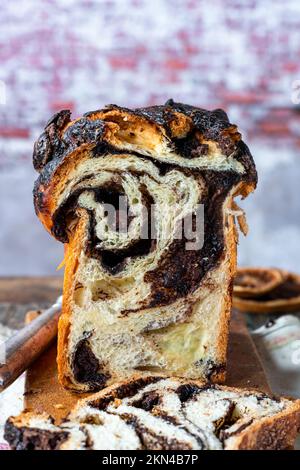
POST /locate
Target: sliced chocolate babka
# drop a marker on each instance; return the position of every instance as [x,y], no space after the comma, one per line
[157,413]
[144,202]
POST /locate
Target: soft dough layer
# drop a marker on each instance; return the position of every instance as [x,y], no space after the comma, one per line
[135,298]
[157,413]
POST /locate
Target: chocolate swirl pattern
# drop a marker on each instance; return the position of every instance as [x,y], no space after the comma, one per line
[155,413]
[136,300]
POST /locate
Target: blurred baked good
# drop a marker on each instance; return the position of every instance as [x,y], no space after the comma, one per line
[263,290]
[255,282]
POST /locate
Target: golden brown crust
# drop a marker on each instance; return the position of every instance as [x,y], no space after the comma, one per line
[222,343]
[271,433]
[72,252]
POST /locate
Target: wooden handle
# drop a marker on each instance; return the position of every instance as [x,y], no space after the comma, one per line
[27,344]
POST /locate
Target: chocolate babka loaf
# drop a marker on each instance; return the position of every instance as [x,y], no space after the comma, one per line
[148,290]
[156,413]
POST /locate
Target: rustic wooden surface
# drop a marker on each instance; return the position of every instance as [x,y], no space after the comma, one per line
[20,294]
[43,393]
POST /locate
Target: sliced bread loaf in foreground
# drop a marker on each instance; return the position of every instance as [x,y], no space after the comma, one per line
[157,413]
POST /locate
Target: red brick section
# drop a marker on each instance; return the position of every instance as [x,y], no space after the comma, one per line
[242,55]
[14,132]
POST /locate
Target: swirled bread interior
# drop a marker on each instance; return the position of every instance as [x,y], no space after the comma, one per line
[136,303]
[157,413]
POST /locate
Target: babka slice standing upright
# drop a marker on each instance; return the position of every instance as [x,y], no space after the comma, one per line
[148,290]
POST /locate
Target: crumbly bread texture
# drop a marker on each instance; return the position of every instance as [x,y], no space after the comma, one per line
[133,304]
[158,413]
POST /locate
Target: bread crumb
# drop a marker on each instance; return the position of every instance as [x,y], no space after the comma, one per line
[117,402]
[59,406]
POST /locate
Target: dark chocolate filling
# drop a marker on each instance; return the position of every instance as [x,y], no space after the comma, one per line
[126,390]
[33,439]
[106,194]
[187,391]
[111,260]
[223,434]
[87,368]
[147,402]
[115,260]
[152,441]
[211,368]
[180,271]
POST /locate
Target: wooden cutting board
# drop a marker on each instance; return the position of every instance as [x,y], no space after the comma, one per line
[43,393]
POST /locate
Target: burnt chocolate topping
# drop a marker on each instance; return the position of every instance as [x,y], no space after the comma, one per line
[52,147]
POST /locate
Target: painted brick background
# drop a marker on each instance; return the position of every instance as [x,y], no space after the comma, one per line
[242,55]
